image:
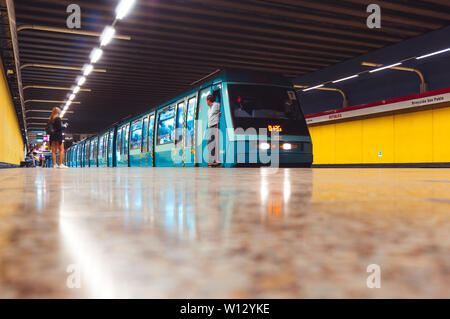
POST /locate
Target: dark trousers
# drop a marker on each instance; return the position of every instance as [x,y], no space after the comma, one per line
[213,144]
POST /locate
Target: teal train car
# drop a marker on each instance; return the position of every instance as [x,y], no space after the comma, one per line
[261,123]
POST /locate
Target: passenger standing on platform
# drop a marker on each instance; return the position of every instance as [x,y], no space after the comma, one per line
[213,128]
[55,130]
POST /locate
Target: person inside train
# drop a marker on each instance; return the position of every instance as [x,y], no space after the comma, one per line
[55,129]
[213,129]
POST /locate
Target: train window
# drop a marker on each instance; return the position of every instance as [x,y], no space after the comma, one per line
[165,126]
[150,132]
[105,146]
[190,122]
[110,145]
[119,141]
[86,151]
[144,135]
[91,151]
[136,135]
[125,139]
[122,141]
[262,105]
[100,148]
[179,127]
[95,149]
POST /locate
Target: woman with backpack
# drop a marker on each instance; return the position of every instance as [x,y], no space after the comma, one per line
[55,130]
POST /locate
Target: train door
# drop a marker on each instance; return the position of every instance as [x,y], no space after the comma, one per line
[126,148]
[100,151]
[144,143]
[78,156]
[96,151]
[93,153]
[179,123]
[87,152]
[119,147]
[103,159]
[110,148]
[202,134]
[164,137]
[136,143]
[151,141]
[189,149]
[74,158]
[82,154]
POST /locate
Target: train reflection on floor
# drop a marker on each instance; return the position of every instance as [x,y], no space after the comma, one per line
[223,232]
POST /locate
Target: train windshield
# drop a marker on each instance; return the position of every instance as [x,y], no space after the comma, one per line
[261,106]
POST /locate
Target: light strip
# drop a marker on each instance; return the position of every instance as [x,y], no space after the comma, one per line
[124,8]
[107,35]
[347,78]
[96,54]
[81,80]
[312,88]
[385,67]
[431,54]
[87,69]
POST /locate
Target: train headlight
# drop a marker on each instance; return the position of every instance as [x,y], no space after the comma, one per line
[264,146]
[286,146]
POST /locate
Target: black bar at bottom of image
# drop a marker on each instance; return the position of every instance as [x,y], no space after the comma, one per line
[227,308]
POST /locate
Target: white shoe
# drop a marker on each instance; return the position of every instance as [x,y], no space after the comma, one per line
[63,166]
[56,166]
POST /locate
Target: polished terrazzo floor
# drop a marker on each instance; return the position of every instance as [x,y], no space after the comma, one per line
[220,233]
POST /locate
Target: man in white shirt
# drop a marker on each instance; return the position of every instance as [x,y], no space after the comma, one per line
[213,128]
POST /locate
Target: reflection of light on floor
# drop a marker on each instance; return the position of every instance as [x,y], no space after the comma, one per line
[95,275]
[272,199]
[286,186]
[264,188]
[274,208]
[39,185]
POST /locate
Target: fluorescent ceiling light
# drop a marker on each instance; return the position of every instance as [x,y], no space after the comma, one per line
[96,54]
[71,97]
[68,103]
[107,35]
[385,67]
[76,89]
[87,69]
[81,81]
[434,53]
[124,8]
[347,78]
[312,88]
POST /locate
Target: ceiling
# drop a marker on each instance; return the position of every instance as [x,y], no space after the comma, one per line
[175,42]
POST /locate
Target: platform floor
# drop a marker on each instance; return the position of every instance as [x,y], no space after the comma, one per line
[219,233]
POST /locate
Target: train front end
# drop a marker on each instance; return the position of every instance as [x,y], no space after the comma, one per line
[269,128]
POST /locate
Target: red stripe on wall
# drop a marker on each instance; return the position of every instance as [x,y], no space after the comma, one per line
[383,102]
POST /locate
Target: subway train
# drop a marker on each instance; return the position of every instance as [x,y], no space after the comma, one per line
[261,124]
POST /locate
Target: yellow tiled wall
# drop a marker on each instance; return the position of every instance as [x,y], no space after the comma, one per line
[415,137]
[11,143]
